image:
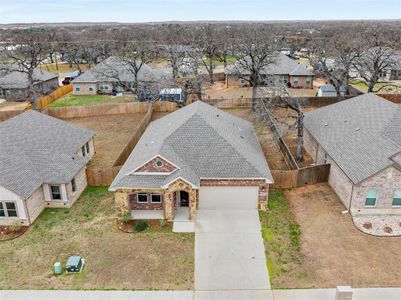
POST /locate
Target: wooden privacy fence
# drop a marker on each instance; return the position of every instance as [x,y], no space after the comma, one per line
[109,109]
[44,101]
[395,98]
[134,138]
[101,177]
[7,114]
[286,179]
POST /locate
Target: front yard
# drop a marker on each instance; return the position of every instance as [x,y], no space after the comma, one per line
[114,260]
[325,249]
[112,134]
[76,100]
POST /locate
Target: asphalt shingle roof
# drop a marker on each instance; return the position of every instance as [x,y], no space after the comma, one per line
[281,66]
[114,67]
[360,134]
[36,149]
[203,141]
[19,80]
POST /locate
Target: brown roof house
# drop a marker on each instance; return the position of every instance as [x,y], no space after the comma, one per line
[42,164]
[198,157]
[14,85]
[284,71]
[361,139]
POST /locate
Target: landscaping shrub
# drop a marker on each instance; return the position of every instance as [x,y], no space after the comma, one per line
[16,226]
[126,218]
[140,226]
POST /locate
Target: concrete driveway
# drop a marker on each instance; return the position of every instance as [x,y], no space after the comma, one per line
[229,251]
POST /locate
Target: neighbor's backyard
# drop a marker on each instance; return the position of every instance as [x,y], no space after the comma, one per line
[77,100]
[153,259]
[310,244]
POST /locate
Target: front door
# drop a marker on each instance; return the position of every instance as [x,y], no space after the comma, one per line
[184,199]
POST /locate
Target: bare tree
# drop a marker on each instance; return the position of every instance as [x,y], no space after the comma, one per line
[254,51]
[334,58]
[24,53]
[377,59]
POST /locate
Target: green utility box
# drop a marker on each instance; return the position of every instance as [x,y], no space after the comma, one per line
[58,269]
[74,264]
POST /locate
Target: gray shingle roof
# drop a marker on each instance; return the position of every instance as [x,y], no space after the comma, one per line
[360,134]
[36,149]
[113,67]
[281,66]
[19,80]
[203,141]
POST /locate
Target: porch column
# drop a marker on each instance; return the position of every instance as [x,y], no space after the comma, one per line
[192,204]
[168,206]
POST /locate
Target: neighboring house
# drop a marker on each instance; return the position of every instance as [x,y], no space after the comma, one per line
[111,73]
[283,71]
[361,139]
[42,164]
[14,86]
[197,157]
[329,91]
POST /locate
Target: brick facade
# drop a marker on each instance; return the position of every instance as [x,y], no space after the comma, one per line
[263,187]
[151,167]
[133,202]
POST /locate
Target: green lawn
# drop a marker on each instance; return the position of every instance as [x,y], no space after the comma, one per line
[151,259]
[281,235]
[360,85]
[76,100]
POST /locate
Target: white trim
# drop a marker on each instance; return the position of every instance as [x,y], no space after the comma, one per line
[221,178]
[177,178]
[150,173]
[142,193]
[366,197]
[153,173]
[157,194]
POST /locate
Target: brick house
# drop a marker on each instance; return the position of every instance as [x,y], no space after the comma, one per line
[43,162]
[283,71]
[112,73]
[14,86]
[198,157]
[361,139]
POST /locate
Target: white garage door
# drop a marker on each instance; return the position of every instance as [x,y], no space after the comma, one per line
[228,197]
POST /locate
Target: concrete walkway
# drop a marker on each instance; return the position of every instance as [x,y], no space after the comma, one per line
[229,251]
[309,294]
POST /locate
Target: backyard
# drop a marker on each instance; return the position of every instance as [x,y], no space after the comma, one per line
[62,67]
[152,259]
[112,134]
[325,249]
[76,100]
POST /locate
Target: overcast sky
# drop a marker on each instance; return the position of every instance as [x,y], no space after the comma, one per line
[26,11]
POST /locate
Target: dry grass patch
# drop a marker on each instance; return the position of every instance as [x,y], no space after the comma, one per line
[112,134]
[334,251]
[114,260]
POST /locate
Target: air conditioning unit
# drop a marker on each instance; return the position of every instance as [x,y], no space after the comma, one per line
[74,264]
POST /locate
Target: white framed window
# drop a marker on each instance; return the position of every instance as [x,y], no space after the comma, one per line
[295,79]
[371,197]
[142,198]
[90,89]
[73,185]
[103,86]
[55,192]
[155,198]
[77,88]
[397,198]
[8,209]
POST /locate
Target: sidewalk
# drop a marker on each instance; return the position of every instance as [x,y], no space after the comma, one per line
[308,294]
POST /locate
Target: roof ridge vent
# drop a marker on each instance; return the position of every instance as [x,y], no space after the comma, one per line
[357,129]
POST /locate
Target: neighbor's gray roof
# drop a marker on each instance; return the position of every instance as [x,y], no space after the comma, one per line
[19,80]
[37,149]
[113,67]
[282,65]
[360,134]
[203,141]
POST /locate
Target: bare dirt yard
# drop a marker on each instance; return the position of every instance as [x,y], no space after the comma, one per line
[152,259]
[270,148]
[112,134]
[334,251]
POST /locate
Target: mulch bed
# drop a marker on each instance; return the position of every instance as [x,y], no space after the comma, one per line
[7,233]
[128,226]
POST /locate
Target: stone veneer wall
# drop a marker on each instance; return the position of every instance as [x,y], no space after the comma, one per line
[397,159]
[263,187]
[385,182]
[35,205]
